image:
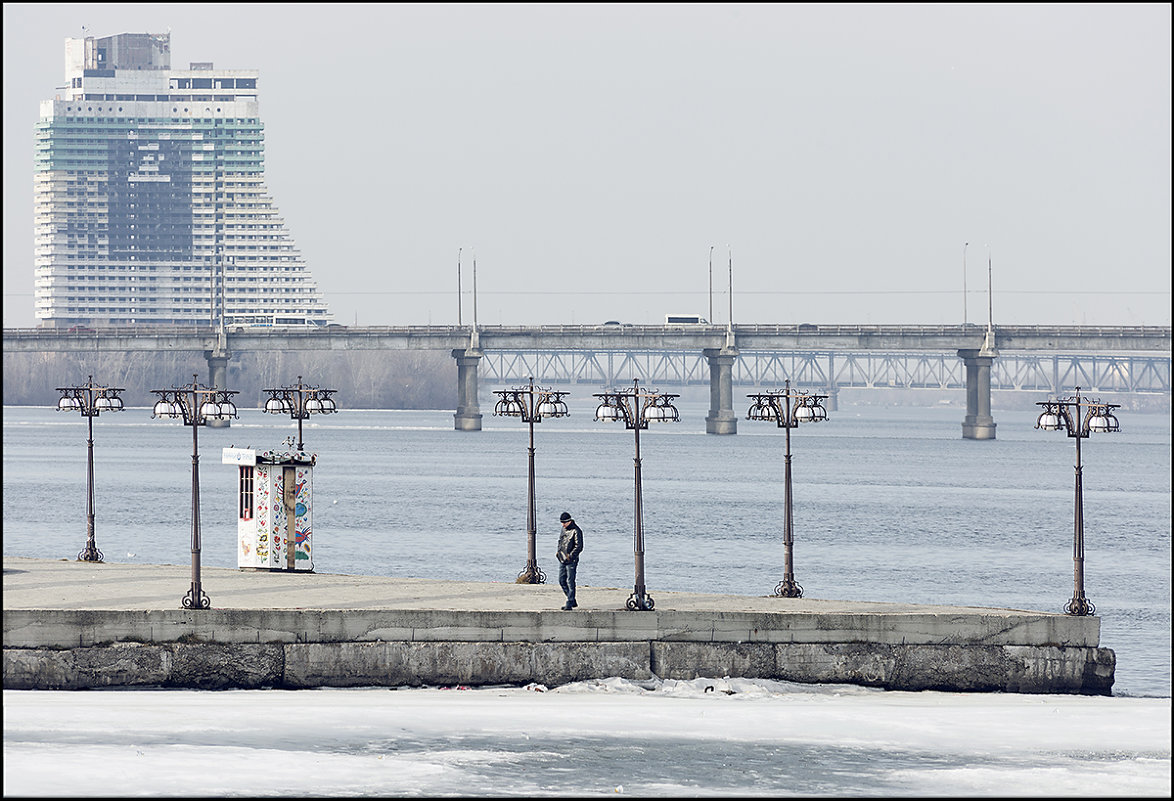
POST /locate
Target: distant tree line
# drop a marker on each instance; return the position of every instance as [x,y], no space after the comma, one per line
[373,379]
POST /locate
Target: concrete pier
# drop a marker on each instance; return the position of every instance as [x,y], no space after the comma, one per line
[722,418]
[468,413]
[79,625]
[978,423]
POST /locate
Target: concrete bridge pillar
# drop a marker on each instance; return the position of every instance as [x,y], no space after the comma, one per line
[722,419]
[832,404]
[468,415]
[978,423]
[217,378]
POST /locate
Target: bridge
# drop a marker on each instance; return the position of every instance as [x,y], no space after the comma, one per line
[829,371]
[721,348]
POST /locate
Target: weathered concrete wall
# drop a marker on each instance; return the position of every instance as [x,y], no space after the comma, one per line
[290,665]
[67,628]
[959,668]
[891,646]
[1022,669]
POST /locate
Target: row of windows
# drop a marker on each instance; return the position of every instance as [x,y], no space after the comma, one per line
[176,306]
[203,268]
[216,122]
[165,98]
[90,136]
[135,257]
[202,170]
[204,271]
[209,125]
[156,296]
[213,83]
[231,182]
[152,267]
[174,110]
[203,280]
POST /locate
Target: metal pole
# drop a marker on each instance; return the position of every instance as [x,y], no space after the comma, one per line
[299,410]
[195,599]
[711,284]
[788,527]
[531,575]
[965,319]
[531,515]
[731,298]
[459,285]
[639,595]
[990,304]
[1079,605]
[224,291]
[211,291]
[91,552]
[788,588]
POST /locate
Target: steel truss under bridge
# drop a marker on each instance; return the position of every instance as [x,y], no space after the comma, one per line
[1042,372]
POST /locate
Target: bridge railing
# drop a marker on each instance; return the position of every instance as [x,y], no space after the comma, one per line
[747,328]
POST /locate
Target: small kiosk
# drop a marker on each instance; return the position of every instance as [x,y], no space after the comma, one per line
[274,522]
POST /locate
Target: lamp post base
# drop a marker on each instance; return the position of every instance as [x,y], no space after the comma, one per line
[531,574]
[89,554]
[1080,606]
[196,599]
[788,588]
[640,601]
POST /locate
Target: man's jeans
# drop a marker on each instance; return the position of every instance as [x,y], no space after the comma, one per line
[566,580]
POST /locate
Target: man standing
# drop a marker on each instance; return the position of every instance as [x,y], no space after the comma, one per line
[570,545]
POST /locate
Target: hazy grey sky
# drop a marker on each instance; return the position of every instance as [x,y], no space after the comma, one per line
[590,156]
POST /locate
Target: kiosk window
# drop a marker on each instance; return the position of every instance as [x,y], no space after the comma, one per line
[246,493]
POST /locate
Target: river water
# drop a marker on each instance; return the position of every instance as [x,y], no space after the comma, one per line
[890,504]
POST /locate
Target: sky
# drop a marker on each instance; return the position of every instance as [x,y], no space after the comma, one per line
[707,737]
[828,163]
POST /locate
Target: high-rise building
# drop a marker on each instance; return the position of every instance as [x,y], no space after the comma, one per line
[150,200]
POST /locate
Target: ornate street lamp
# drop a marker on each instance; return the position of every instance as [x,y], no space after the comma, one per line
[532,404]
[637,409]
[195,405]
[299,402]
[787,409]
[1065,413]
[91,400]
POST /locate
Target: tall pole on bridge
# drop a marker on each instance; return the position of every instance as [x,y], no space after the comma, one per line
[990,303]
[730,321]
[459,286]
[965,317]
[711,284]
[988,343]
